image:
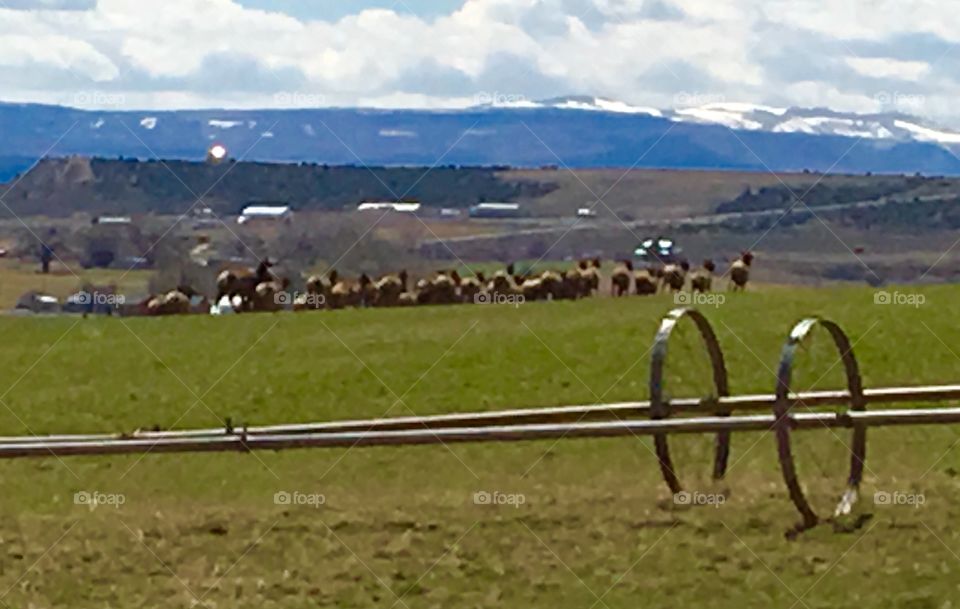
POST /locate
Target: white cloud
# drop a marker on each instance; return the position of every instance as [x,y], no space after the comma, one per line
[882,67]
[868,19]
[645,52]
[55,51]
[49,5]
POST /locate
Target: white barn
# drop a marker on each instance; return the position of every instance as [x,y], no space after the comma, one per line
[264,212]
[404,207]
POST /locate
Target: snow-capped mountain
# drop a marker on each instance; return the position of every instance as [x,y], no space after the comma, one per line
[756,117]
[819,121]
[570,131]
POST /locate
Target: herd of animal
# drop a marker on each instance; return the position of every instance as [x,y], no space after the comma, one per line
[673,277]
[252,290]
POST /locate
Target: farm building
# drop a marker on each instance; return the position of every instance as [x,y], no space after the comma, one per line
[112,220]
[402,206]
[495,210]
[265,213]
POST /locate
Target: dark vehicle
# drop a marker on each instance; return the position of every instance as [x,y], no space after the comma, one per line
[38,302]
[661,250]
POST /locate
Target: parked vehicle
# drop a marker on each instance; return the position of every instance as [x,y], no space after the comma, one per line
[38,302]
[661,250]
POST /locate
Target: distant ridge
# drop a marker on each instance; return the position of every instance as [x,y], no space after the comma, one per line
[585,132]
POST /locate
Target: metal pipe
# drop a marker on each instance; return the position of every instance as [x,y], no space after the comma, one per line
[535,416]
[497,433]
[503,433]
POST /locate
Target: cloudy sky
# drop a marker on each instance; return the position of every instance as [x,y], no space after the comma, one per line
[860,55]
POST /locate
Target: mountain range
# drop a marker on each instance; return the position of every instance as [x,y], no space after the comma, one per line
[576,132]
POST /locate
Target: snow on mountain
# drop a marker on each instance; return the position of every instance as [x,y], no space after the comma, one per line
[818,121]
[891,126]
[796,125]
[396,133]
[751,117]
[598,104]
[222,124]
[734,120]
[576,102]
[831,125]
[741,116]
[758,117]
[746,108]
[506,102]
[927,134]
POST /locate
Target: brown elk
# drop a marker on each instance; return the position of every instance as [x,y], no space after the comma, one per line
[675,276]
[620,279]
[702,279]
[740,271]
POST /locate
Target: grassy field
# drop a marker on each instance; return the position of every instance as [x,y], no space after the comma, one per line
[398,527]
[652,193]
[18,278]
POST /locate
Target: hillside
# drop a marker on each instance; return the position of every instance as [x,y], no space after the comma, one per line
[57,187]
[61,187]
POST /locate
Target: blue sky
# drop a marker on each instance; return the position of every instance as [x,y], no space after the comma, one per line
[853,55]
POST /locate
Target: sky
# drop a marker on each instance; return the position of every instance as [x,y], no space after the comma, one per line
[848,55]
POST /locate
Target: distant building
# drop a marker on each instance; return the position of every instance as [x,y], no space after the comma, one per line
[205,224]
[112,220]
[204,219]
[495,210]
[402,206]
[134,263]
[270,213]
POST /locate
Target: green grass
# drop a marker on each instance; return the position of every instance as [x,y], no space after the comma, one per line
[16,279]
[596,521]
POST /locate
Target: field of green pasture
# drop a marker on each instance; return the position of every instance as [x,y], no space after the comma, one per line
[579,523]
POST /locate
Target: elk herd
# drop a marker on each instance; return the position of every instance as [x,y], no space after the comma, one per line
[674,277]
[259,289]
